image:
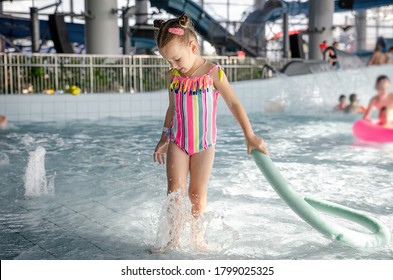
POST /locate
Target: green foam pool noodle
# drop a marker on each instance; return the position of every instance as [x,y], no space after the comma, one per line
[309,210]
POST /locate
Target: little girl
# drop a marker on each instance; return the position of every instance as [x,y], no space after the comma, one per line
[384,97]
[189,134]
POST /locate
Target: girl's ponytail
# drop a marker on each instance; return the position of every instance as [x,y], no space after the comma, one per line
[184,21]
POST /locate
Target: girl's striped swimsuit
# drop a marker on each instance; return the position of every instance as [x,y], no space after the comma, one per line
[193,125]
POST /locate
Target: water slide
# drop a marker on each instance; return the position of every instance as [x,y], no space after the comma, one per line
[247,36]
[211,30]
[18,27]
[250,30]
[13,27]
[273,9]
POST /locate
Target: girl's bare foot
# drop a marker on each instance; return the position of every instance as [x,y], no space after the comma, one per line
[198,239]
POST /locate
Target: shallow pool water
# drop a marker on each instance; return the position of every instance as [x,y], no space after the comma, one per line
[108,192]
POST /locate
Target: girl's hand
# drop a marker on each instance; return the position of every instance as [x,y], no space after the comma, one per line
[256,142]
[160,151]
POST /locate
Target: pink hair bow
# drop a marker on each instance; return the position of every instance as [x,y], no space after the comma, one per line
[176,31]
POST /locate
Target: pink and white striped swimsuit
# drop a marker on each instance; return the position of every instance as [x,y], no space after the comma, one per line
[193,126]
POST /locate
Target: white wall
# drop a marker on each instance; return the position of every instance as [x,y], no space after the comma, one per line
[304,94]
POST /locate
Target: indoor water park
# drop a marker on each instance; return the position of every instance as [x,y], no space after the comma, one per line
[196,130]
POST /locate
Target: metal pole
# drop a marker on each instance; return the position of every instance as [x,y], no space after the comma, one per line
[258,4]
[18,74]
[35,30]
[202,3]
[101,27]
[91,74]
[261,43]
[2,44]
[11,61]
[141,12]
[134,74]
[320,24]
[377,24]
[285,35]
[140,76]
[361,29]
[72,9]
[56,74]
[228,14]
[125,33]
[6,73]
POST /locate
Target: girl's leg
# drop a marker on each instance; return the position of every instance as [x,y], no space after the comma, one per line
[177,170]
[177,166]
[201,165]
[200,168]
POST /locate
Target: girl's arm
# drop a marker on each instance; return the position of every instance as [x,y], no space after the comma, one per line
[162,146]
[169,112]
[237,110]
[371,60]
[369,108]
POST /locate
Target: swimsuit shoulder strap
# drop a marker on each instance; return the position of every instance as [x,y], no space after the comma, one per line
[175,72]
[212,68]
[174,81]
[221,71]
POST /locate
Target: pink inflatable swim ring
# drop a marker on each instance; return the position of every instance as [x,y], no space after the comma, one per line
[371,131]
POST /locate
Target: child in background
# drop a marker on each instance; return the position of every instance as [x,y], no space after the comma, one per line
[333,55]
[342,102]
[323,46]
[378,57]
[386,117]
[383,98]
[189,134]
[353,106]
[3,122]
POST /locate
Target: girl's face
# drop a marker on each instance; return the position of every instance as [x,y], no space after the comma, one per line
[383,88]
[179,55]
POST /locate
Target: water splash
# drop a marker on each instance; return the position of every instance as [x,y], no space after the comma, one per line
[36,182]
[349,61]
[178,229]
[4,159]
[174,214]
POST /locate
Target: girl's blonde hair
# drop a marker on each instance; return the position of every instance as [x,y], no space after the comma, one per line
[183,22]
